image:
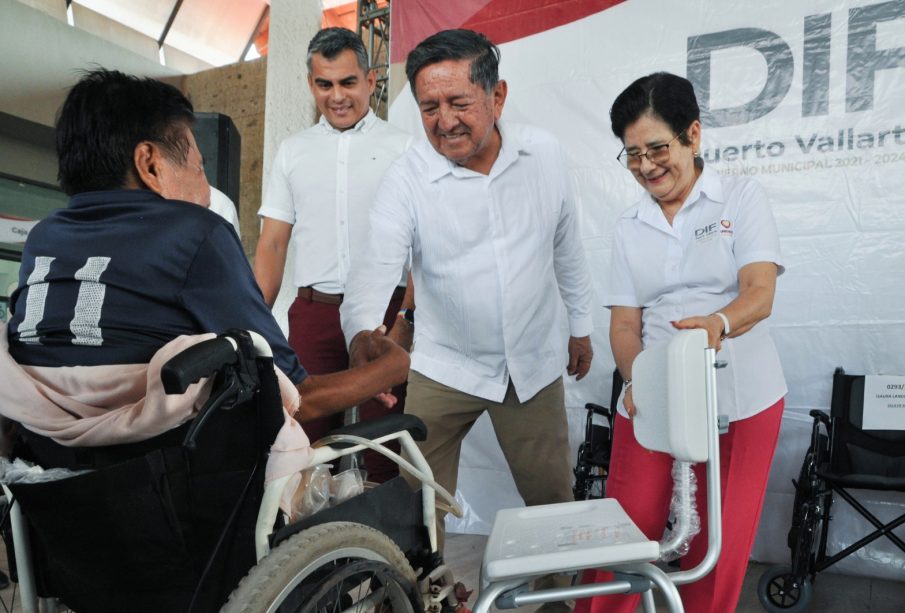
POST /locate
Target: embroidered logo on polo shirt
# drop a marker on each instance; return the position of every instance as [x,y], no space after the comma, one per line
[705,233]
[727,227]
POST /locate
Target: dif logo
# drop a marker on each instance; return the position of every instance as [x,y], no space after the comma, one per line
[864,60]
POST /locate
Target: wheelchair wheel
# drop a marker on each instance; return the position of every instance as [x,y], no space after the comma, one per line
[807,488]
[336,566]
[780,591]
[803,495]
[584,474]
[810,511]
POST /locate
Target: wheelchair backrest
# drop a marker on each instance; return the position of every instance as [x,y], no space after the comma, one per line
[160,528]
[854,449]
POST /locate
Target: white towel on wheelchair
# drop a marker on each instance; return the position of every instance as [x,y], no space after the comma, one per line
[93,406]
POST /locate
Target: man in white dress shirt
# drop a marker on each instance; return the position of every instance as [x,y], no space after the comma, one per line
[321,184]
[487,210]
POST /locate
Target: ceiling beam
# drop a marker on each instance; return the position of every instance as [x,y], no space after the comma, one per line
[169,24]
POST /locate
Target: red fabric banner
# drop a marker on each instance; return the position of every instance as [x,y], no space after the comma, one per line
[500,20]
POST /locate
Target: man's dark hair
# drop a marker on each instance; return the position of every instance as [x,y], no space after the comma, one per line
[330,42]
[457,45]
[664,95]
[105,116]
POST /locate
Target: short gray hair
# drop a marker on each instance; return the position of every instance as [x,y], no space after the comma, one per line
[330,42]
[457,45]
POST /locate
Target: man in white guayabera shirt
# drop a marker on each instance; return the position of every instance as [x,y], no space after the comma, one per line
[317,196]
[487,211]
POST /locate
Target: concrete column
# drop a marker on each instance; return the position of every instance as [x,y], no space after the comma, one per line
[289,106]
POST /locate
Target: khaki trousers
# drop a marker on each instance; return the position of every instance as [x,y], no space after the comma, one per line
[533,435]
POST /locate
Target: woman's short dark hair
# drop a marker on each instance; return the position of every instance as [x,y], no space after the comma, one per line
[457,45]
[105,116]
[664,95]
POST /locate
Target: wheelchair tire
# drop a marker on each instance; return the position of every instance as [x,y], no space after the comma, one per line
[779,591]
[336,565]
[807,488]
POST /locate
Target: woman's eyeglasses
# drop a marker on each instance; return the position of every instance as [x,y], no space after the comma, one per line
[658,154]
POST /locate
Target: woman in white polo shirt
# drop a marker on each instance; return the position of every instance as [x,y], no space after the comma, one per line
[699,250]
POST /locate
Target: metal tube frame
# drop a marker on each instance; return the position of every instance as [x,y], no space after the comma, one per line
[324,453]
[714,501]
[21,546]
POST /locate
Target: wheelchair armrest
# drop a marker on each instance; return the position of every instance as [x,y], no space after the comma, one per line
[598,409]
[380,427]
[196,362]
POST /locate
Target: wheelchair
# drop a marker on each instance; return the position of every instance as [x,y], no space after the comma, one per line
[593,460]
[841,456]
[184,522]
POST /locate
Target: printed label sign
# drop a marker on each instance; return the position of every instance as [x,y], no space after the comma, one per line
[884,402]
[15,230]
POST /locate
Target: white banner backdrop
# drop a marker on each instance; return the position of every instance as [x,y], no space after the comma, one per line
[805,97]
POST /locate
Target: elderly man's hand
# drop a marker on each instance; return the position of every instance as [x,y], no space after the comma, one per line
[374,346]
[366,346]
[580,355]
[402,333]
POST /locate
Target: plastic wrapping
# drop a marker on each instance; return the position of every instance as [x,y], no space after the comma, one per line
[346,484]
[319,490]
[20,471]
[686,521]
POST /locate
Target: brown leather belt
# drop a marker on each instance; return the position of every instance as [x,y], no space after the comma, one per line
[312,295]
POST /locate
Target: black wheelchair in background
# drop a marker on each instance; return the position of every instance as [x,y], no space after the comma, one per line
[593,462]
[174,523]
[842,456]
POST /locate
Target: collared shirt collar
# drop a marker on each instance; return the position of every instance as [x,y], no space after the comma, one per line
[439,166]
[708,184]
[115,196]
[364,124]
[711,185]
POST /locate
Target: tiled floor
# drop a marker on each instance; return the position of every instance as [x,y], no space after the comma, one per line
[833,593]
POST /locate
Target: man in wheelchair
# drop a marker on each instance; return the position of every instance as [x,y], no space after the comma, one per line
[129,265]
[125,276]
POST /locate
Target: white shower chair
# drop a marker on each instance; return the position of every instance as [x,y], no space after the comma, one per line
[675,392]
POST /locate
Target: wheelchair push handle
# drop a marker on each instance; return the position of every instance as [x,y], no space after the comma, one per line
[820,416]
[598,409]
[196,362]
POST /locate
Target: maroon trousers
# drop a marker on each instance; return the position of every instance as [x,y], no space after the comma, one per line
[317,338]
[641,481]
